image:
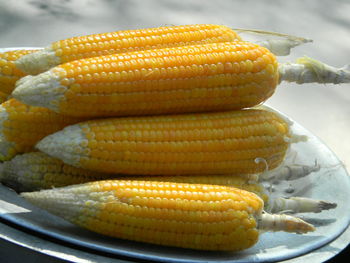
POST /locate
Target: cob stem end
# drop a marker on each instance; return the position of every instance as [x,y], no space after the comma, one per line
[282,222]
[308,70]
[301,205]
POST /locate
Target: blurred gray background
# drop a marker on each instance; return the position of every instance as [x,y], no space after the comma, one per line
[322,109]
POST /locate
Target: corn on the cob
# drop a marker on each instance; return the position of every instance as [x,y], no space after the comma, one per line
[207,143]
[35,171]
[196,216]
[123,41]
[207,77]
[22,126]
[9,72]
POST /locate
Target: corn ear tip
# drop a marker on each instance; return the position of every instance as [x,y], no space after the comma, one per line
[39,61]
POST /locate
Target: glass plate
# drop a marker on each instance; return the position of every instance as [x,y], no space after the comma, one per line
[330,183]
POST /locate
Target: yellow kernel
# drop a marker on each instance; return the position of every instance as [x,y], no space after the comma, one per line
[6,70]
[65,82]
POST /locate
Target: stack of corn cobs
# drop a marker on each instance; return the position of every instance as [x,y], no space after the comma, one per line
[153,135]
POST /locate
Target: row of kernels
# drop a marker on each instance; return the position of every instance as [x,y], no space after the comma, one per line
[171,159]
[194,134]
[182,122]
[197,32]
[130,147]
[133,167]
[194,240]
[160,212]
[131,41]
[213,87]
[170,62]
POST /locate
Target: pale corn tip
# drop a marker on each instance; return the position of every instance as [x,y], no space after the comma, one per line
[34,171]
[6,147]
[65,144]
[13,175]
[43,90]
[23,80]
[43,59]
[58,201]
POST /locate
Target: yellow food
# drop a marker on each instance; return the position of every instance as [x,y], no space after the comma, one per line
[206,77]
[9,72]
[22,126]
[196,216]
[123,41]
[35,171]
[203,143]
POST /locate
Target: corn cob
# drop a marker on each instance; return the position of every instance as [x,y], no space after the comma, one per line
[196,216]
[22,126]
[123,41]
[207,77]
[35,171]
[206,143]
[9,72]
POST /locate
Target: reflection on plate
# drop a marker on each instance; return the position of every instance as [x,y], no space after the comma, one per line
[331,183]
